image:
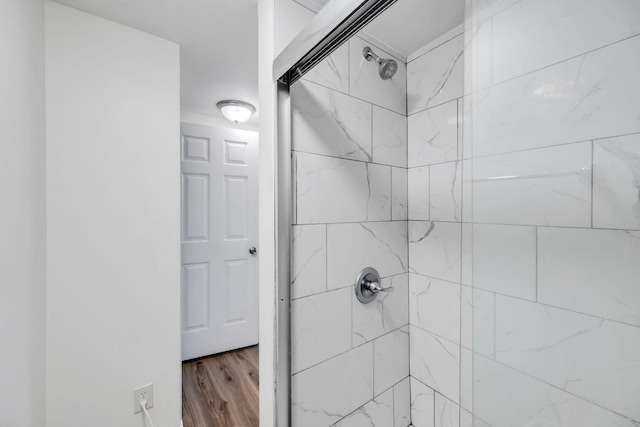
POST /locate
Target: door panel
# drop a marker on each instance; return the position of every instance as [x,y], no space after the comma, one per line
[219,225]
[195,278]
[195,212]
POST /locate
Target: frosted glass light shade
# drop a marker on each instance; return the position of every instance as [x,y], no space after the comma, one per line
[236,111]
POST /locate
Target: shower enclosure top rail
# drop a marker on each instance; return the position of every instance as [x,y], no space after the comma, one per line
[336,22]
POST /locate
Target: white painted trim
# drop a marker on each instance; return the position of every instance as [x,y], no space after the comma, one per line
[437,42]
[266,212]
[203,119]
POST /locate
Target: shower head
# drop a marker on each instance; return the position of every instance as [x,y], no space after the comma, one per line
[386,67]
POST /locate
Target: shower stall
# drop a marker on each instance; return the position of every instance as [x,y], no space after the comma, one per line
[484,159]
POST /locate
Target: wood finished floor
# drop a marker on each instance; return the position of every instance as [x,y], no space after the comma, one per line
[221,390]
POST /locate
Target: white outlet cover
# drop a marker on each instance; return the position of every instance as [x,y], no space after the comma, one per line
[138,393]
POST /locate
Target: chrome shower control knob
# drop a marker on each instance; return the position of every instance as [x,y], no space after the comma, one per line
[368,285]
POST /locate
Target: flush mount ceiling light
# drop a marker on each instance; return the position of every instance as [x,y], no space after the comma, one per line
[236,111]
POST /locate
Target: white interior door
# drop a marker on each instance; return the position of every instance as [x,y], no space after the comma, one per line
[219,227]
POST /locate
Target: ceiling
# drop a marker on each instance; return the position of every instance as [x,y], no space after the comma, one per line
[219,39]
[409,25]
[218,44]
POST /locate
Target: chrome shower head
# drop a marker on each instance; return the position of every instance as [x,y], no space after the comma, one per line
[386,67]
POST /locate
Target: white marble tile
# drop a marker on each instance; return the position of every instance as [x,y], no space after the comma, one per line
[550,186]
[332,72]
[418,193]
[352,247]
[388,312]
[466,317]
[467,190]
[320,328]
[433,135]
[422,404]
[483,305]
[527,37]
[390,359]
[389,137]
[308,260]
[325,393]
[504,259]
[460,134]
[467,254]
[434,305]
[435,362]
[468,420]
[596,359]
[591,271]
[581,99]
[466,379]
[447,412]
[504,397]
[324,121]
[477,54]
[435,249]
[365,82]
[616,183]
[445,192]
[436,77]
[402,403]
[376,413]
[337,190]
[467,106]
[399,198]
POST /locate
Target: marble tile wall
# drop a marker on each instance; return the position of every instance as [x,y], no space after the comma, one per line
[503,209]
[350,361]
[524,217]
[437,297]
[552,247]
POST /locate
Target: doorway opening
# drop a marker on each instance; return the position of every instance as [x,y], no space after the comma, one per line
[219,228]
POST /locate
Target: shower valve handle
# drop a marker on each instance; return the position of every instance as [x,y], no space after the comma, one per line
[375,287]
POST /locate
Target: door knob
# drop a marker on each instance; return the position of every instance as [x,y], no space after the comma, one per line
[253,250]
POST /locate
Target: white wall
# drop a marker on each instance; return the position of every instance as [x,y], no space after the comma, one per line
[22,215]
[113,264]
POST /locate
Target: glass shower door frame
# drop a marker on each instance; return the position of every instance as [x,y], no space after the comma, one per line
[331,27]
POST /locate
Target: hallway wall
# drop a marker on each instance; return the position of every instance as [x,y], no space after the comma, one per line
[22,216]
[113,222]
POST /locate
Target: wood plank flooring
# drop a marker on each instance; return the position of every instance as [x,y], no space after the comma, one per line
[221,390]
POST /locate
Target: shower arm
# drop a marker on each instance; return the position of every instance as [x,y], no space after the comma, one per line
[370,55]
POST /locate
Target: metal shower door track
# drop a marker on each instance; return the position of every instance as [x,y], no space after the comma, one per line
[336,22]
